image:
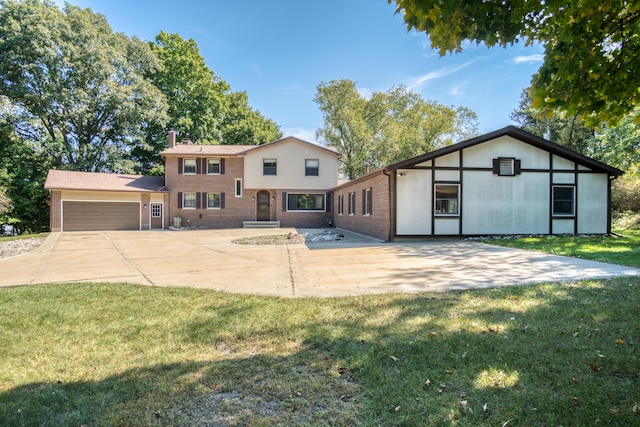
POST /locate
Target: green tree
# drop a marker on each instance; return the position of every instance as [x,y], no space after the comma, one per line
[568,131]
[78,90]
[243,125]
[196,95]
[591,47]
[388,127]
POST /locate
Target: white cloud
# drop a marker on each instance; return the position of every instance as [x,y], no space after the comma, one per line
[365,92]
[302,133]
[417,82]
[523,59]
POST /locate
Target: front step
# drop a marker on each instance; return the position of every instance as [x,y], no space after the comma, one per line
[261,224]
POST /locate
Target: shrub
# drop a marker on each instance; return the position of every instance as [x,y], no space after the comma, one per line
[625,194]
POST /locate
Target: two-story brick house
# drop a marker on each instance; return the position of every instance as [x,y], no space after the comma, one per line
[286,183]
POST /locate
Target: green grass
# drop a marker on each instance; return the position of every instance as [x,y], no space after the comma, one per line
[617,250]
[118,354]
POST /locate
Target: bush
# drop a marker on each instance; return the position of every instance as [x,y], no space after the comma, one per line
[625,194]
[626,221]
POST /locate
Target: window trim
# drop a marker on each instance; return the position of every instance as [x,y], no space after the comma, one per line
[238,187]
[555,214]
[195,200]
[352,203]
[195,166]
[219,166]
[435,200]
[367,201]
[275,167]
[341,204]
[307,168]
[219,201]
[324,202]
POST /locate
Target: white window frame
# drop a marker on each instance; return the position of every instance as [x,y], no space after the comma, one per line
[436,199]
[324,202]
[184,166]
[209,201]
[352,203]
[184,199]
[212,162]
[307,168]
[238,187]
[275,167]
[554,201]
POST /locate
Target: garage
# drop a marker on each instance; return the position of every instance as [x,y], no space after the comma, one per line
[92,216]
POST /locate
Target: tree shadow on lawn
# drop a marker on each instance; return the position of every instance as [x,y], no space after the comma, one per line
[538,355]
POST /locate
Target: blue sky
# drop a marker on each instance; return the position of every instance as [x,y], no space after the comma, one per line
[278,51]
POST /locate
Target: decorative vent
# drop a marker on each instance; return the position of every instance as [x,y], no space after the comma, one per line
[506,166]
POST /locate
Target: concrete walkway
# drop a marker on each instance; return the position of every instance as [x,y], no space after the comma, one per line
[352,266]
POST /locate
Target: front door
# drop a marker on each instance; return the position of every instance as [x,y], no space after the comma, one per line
[156,216]
[263,207]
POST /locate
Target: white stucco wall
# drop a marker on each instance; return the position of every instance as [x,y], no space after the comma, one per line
[482,155]
[592,203]
[413,201]
[495,204]
[290,156]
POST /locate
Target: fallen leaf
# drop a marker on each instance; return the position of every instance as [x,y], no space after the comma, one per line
[635,408]
[345,397]
[432,334]
[397,408]
[395,359]
[619,342]
[427,383]
[485,408]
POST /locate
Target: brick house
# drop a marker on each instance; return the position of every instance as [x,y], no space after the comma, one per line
[284,183]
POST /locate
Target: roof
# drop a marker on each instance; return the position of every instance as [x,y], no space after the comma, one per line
[520,135]
[233,150]
[71,180]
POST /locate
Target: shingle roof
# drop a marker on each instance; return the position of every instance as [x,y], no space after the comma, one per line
[71,180]
[232,150]
[521,135]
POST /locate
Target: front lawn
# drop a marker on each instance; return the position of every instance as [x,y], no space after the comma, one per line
[617,250]
[118,354]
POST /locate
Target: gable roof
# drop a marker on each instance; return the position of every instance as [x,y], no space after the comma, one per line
[71,180]
[234,150]
[520,135]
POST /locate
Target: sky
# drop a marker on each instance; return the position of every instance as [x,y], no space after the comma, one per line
[279,51]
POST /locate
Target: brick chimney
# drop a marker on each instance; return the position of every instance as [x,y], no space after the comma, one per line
[171,138]
[366,168]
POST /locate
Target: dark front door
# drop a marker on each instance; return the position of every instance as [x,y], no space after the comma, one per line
[262,200]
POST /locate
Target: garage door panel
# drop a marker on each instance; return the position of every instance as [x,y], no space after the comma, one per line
[93,216]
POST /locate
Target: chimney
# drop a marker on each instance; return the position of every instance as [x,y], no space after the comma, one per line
[186,141]
[366,168]
[171,138]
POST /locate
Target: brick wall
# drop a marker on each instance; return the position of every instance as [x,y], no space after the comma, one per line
[378,223]
[54,208]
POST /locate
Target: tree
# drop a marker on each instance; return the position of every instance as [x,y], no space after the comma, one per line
[196,95]
[591,47]
[568,131]
[78,90]
[388,127]
[243,125]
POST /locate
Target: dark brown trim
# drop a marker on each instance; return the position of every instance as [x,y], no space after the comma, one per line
[550,193]
[432,202]
[575,199]
[460,199]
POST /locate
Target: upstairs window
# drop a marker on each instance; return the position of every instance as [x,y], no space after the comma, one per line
[189,167]
[213,166]
[269,167]
[563,200]
[506,166]
[311,167]
[447,198]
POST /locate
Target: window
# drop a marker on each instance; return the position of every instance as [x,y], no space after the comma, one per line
[447,199]
[238,187]
[269,167]
[366,201]
[506,166]
[213,201]
[156,210]
[305,202]
[352,203]
[213,166]
[189,166]
[563,200]
[189,200]
[311,167]
[340,204]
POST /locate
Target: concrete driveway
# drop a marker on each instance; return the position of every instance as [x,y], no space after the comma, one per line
[353,266]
